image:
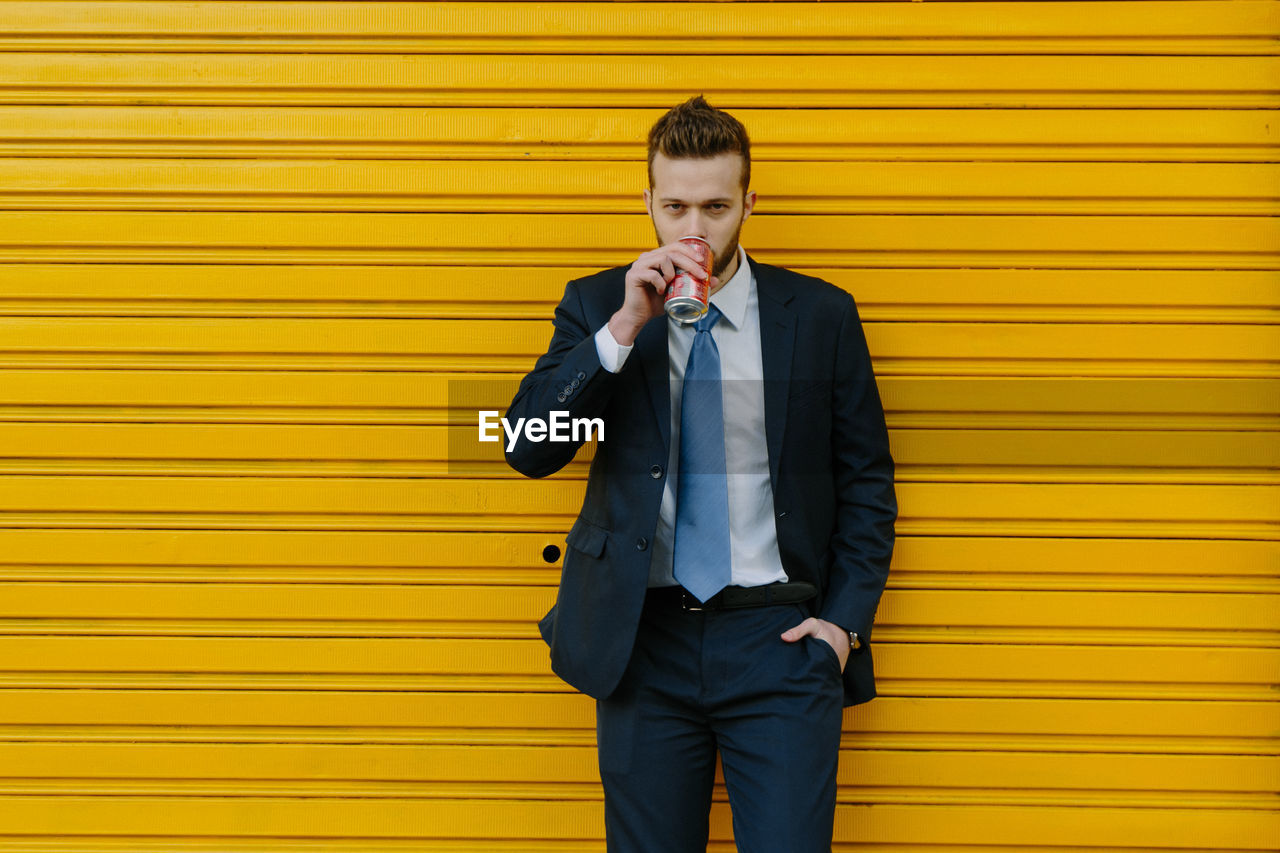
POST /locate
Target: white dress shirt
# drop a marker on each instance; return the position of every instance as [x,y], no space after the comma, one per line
[752,536]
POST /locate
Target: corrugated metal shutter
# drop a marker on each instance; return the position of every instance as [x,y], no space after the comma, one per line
[247,248]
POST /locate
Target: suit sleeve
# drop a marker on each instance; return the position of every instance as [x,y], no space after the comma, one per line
[567,378]
[866,505]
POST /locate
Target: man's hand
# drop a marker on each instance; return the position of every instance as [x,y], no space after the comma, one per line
[646,288]
[825,631]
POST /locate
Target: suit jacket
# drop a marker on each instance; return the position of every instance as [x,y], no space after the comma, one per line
[829,466]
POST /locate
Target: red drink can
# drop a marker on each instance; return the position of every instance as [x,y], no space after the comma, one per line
[687,294]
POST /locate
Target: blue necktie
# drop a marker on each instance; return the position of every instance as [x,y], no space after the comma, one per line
[701,555]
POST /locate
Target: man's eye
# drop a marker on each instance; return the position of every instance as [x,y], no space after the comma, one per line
[674,206]
[718,207]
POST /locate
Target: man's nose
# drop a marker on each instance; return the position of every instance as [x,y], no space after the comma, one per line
[696,226]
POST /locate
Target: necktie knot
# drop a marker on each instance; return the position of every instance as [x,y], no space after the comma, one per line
[708,319]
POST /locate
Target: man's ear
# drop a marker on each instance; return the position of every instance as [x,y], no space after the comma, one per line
[748,204]
[648,202]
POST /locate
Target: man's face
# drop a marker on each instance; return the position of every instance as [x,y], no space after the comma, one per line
[700,198]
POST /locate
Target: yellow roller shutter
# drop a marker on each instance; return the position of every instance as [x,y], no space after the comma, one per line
[262,262]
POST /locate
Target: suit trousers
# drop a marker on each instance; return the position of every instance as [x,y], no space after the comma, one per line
[702,681]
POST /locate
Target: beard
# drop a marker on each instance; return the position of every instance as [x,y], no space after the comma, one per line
[723,259]
[721,256]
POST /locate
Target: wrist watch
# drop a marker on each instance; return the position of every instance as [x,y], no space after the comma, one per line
[854,642]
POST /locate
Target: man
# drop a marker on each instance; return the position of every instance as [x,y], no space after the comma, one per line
[720,582]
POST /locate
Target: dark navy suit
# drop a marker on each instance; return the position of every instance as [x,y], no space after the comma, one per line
[830,469]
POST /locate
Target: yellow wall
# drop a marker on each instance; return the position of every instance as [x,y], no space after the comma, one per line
[246,249]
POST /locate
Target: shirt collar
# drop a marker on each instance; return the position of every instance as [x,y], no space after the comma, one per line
[732,298]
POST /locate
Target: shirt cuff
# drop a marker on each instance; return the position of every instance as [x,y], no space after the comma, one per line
[612,354]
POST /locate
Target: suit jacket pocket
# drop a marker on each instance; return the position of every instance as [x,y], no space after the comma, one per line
[587,538]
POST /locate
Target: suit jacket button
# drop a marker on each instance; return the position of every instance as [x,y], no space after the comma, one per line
[581,375]
[568,389]
[642,543]
[656,472]
[575,383]
[560,397]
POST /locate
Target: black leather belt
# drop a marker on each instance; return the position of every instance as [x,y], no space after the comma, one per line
[736,596]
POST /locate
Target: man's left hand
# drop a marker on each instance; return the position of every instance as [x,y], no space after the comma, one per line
[829,633]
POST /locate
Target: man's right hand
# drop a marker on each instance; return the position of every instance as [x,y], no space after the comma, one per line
[646,288]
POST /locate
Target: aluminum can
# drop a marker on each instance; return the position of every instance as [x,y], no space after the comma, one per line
[687,294]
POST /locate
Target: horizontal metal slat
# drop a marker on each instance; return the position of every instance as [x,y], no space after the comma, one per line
[307,661]
[322,396]
[579,81]
[91,336]
[327,714]
[441,819]
[444,604]
[609,187]
[576,791]
[247,496]
[606,27]
[574,763]
[161,844]
[393,557]
[569,239]
[390,291]
[888,685]
[523,133]
[300,448]
[908,525]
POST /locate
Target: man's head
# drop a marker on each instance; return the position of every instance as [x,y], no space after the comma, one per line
[699,172]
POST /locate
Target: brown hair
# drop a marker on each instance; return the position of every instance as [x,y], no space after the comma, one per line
[697,130]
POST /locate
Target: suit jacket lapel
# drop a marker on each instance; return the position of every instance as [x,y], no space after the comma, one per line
[777,344]
[651,346]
